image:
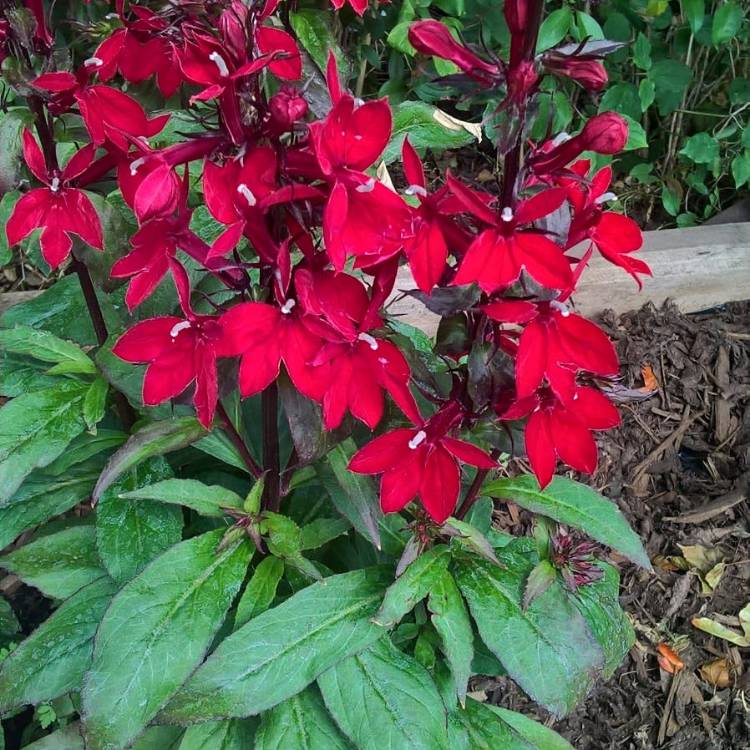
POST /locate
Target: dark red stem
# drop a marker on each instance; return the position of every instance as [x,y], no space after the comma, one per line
[238,442]
[473,493]
[271,463]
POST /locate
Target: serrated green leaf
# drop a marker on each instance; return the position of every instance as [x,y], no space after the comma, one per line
[232,734]
[154,634]
[547,648]
[574,504]
[154,439]
[35,428]
[85,447]
[412,585]
[537,735]
[53,659]
[208,500]
[477,727]
[40,498]
[260,590]
[321,531]
[129,533]
[67,738]
[299,723]
[588,26]
[58,564]
[541,577]
[283,650]
[451,620]
[312,27]
[598,603]
[46,347]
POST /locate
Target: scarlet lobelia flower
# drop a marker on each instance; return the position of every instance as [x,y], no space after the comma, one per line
[360,366]
[421,461]
[509,245]
[616,236]
[555,344]
[562,428]
[178,351]
[61,210]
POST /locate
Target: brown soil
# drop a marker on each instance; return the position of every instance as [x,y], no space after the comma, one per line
[679,468]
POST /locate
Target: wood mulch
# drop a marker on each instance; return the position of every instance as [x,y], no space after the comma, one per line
[679,468]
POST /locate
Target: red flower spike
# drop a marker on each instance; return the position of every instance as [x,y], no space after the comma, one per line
[434,38]
[421,461]
[497,256]
[59,209]
[563,429]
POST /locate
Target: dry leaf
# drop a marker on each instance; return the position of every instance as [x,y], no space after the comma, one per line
[668,659]
[650,383]
[384,176]
[717,673]
[706,561]
[453,123]
[707,625]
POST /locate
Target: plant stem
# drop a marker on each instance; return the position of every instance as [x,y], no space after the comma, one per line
[473,494]
[271,464]
[124,409]
[238,442]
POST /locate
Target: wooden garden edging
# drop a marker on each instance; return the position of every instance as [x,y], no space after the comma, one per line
[698,268]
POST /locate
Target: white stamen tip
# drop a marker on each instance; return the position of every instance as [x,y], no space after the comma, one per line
[359,102]
[286,308]
[177,327]
[507,214]
[367,187]
[55,184]
[220,63]
[136,165]
[417,440]
[95,62]
[370,340]
[247,194]
[561,307]
[560,138]
[604,198]
[416,190]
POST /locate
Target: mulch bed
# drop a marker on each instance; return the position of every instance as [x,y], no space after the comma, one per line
[679,468]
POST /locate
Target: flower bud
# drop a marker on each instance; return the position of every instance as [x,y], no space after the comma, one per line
[591,74]
[287,107]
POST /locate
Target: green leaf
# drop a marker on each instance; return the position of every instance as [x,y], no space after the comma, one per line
[280,652]
[260,590]
[12,124]
[537,735]
[85,447]
[47,348]
[547,649]
[426,127]
[478,727]
[671,79]
[353,495]
[234,734]
[299,723]
[741,168]
[53,659]
[40,498]
[542,576]
[218,445]
[35,429]
[385,700]
[701,148]
[451,620]
[598,603]
[398,38]
[726,23]
[321,531]
[129,534]
[413,585]
[9,624]
[57,564]
[670,201]
[636,135]
[642,52]
[154,439]
[67,738]
[7,204]
[646,93]
[554,28]
[574,504]
[588,26]
[154,634]
[95,402]
[694,11]
[208,500]
[622,98]
[313,29]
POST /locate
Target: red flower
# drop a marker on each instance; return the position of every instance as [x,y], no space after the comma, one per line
[555,344]
[358,6]
[60,209]
[563,429]
[434,38]
[360,366]
[497,256]
[179,352]
[113,117]
[584,69]
[616,236]
[421,461]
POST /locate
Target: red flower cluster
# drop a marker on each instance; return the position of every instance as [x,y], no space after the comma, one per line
[278,181]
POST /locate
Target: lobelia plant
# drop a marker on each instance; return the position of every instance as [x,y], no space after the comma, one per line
[253,589]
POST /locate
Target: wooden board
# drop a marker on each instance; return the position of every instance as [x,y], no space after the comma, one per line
[698,268]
